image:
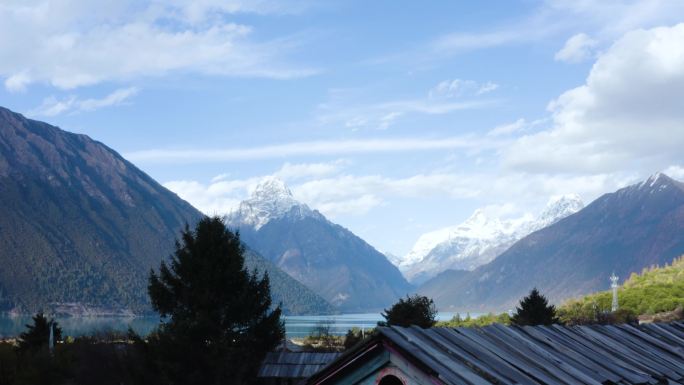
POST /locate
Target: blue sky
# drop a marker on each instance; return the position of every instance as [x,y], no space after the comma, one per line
[393,118]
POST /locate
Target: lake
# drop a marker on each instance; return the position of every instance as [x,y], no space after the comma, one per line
[295,326]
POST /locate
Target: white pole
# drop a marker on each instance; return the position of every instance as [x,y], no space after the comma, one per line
[614,285]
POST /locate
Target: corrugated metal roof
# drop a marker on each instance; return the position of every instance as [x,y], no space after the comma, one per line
[294,364]
[598,354]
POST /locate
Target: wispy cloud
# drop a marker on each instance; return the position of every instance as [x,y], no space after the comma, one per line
[295,171]
[578,48]
[382,115]
[52,106]
[460,87]
[73,43]
[327,147]
[605,21]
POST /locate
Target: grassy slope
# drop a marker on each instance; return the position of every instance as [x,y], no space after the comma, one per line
[655,290]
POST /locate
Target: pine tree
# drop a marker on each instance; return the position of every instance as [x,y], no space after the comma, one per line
[218,321]
[416,310]
[534,310]
[37,335]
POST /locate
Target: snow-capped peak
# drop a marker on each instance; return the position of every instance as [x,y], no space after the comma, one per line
[478,226]
[270,199]
[557,208]
[271,189]
[479,239]
[655,181]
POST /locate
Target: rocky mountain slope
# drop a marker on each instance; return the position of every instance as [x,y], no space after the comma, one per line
[80,224]
[478,240]
[324,256]
[622,232]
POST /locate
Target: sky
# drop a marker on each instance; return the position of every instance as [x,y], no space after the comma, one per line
[392,118]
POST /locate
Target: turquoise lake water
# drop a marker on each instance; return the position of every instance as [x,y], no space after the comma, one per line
[295,326]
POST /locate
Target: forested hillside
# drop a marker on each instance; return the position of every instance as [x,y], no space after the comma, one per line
[80,224]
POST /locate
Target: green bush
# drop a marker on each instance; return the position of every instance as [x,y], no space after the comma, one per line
[457,321]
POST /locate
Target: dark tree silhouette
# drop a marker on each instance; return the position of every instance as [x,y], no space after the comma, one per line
[534,310]
[218,322]
[37,336]
[415,310]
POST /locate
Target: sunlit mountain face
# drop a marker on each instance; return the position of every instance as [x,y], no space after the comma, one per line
[478,240]
[324,256]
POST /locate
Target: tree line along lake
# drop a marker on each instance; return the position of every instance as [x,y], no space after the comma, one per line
[295,326]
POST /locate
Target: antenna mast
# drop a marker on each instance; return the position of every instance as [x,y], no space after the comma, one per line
[614,285]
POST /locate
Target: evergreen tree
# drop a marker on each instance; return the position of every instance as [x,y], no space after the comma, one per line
[218,322]
[37,335]
[534,310]
[416,310]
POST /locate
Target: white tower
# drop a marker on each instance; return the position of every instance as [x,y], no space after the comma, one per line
[614,285]
[51,341]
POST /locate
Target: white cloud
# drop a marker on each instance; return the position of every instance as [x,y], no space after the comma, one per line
[52,106]
[509,128]
[578,48]
[17,82]
[295,171]
[613,18]
[294,149]
[200,10]
[457,42]
[628,114]
[383,115]
[353,206]
[333,196]
[675,171]
[216,198]
[460,87]
[74,43]
[607,20]
[388,119]
[220,177]
[487,88]
[346,195]
[345,109]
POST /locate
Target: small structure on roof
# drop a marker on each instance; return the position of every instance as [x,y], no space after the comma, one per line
[292,368]
[496,354]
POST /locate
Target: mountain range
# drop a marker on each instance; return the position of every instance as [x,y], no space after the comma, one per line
[621,232]
[326,257]
[80,224]
[478,240]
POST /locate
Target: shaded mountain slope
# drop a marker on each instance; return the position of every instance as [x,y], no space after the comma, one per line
[294,297]
[78,223]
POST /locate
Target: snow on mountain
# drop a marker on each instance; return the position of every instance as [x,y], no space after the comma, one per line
[271,199]
[478,240]
[558,208]
[329,259]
